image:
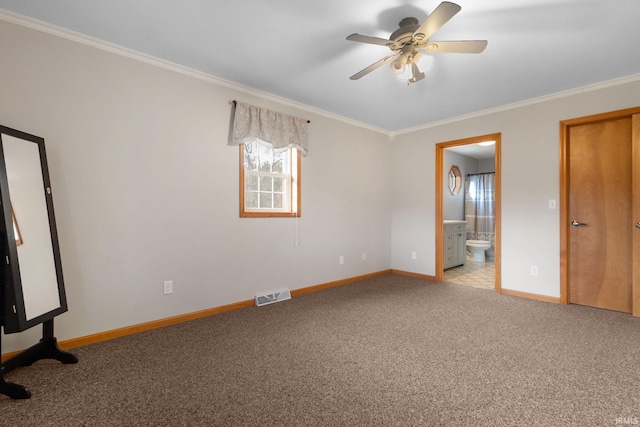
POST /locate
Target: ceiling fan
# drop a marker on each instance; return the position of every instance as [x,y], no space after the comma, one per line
[412,39]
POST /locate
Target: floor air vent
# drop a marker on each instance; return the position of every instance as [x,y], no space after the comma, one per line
[272,296]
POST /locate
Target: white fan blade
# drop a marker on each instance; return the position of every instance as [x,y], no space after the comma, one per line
[445,11]
[459,46]
[371,40]
[372,67]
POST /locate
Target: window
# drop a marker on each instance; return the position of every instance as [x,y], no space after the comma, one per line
[269,181]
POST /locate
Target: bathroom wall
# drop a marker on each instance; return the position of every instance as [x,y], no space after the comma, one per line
[487,165]
[453,204]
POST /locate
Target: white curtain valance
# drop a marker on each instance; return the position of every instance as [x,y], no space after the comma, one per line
[282,131]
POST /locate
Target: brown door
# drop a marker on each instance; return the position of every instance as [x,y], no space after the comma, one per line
[601,229]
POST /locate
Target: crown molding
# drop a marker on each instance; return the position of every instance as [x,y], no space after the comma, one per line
[558,95]
[64,33]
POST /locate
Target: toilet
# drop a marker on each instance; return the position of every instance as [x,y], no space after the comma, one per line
[477,248]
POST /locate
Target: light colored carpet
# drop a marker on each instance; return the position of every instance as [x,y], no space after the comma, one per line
[387,351]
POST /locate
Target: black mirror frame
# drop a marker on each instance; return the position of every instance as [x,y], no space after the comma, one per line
[13,304]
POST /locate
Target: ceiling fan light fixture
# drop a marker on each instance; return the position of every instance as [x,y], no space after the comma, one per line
[399,66]
[405,74]
[425,62]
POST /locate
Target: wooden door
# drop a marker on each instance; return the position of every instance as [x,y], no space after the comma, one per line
[601,228]
[635,151]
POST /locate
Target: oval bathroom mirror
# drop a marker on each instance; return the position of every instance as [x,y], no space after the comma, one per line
[455,179]
[33,290]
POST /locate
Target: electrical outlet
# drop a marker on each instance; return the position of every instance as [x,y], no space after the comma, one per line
[341,260]
[414,255]
[168,287]
[364,256]
[534,270]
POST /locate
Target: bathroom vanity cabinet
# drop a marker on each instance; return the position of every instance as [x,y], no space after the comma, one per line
[455,243]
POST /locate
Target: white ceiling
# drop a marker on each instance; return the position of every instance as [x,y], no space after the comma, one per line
[475,151]
[297,49]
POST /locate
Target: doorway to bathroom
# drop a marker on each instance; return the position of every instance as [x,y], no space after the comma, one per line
[468,211]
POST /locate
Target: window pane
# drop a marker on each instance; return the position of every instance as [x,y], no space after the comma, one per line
[250,157]
[266,183]
[251,182]
[251,200]
[266,200]
[278,163]
[278,201]
[281,162]
[266,158]
[278,185]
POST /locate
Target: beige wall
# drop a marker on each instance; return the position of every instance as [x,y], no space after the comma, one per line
[146,189]
[530,177]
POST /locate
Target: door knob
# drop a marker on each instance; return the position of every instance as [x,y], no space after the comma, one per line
[638,225]
[579,224]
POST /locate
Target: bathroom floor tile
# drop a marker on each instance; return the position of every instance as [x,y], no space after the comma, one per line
[476,274]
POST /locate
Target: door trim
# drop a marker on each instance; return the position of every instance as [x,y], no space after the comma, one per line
[565,126]
[440,147]
[635,185]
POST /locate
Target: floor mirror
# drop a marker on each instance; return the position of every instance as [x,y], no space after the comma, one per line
[32,282]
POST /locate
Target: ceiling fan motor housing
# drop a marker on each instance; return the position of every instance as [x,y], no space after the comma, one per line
[404,34]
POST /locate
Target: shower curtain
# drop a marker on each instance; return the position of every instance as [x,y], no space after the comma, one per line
[479,208]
